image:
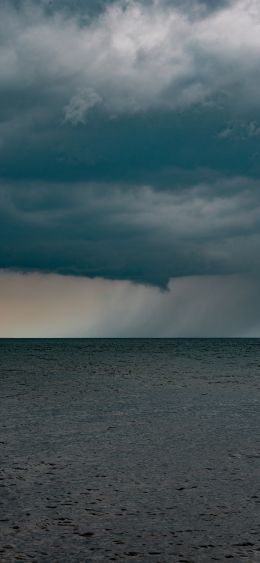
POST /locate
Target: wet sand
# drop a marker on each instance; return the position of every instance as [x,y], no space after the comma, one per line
[127,450]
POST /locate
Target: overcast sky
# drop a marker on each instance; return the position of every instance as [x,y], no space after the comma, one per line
[130,164]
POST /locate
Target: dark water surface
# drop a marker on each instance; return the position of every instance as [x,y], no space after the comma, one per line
[130,450]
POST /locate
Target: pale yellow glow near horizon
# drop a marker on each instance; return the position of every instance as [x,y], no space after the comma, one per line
[50,305]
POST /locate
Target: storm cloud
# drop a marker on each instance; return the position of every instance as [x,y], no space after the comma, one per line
[130,144]
[64,65]
[130,232]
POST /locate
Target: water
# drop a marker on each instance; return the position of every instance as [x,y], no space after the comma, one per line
[130,450]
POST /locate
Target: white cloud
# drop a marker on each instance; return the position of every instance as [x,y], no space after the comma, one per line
[78,107]
[133,56]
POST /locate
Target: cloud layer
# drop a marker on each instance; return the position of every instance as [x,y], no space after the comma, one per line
[130,146]
[73,64]
[138,233]
[128,89]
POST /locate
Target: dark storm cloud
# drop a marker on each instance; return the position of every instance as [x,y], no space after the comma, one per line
[157,148]
[138,233]
[130,137]
[94,7]
[57,74]
[66,70]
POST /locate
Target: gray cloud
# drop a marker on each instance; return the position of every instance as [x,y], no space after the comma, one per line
[240,130]
[116,56]
[132,232]
[135,88]
[129,149]
[78,107]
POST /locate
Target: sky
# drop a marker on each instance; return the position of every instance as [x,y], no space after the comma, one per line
[129,168]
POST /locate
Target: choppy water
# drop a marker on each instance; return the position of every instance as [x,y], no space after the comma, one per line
[130,450]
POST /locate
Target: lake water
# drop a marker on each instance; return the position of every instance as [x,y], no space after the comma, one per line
[130,450]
